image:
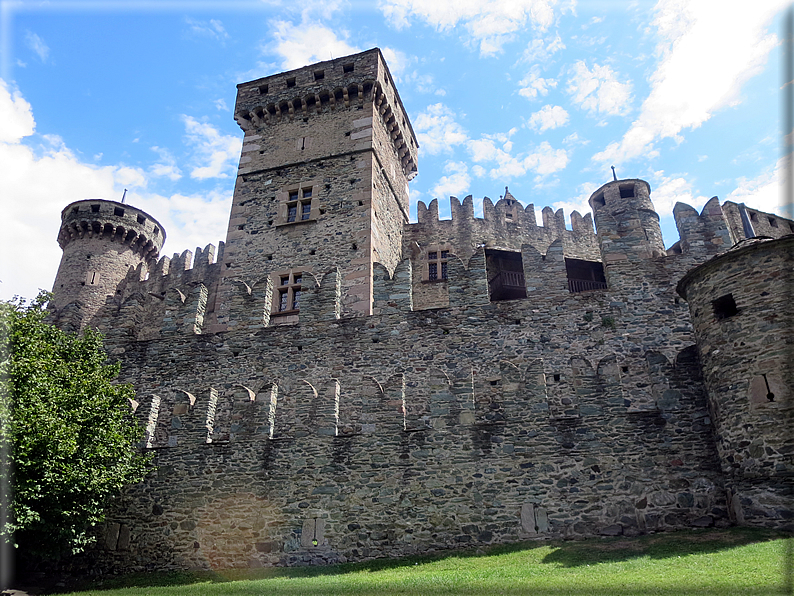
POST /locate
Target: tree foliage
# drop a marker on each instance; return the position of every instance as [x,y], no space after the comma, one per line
[73,441]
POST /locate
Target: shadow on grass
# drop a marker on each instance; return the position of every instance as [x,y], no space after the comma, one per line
[565,553]
[657,546]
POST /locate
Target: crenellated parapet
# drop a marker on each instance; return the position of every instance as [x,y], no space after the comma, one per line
[506,224]
[116,222]
[173,296]
[704,234]
[339,84]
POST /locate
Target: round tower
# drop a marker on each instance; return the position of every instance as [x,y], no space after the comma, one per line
[101,240]
[626,222]
[740,303]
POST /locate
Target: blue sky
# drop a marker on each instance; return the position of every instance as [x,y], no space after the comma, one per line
[542,96]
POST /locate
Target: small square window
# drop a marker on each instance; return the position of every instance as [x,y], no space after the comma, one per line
[319,75]
[290,82]
[75,209]
[293,195]
[118,212]
[348,68]
[724,307]
[263,90]
[95,208]
[141,219]
[307,193]
[773,222]
[432,256]
[444,254]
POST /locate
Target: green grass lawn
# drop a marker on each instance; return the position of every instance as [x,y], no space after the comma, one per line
[708,562]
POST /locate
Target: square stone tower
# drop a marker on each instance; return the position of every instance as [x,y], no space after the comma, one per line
[322,182]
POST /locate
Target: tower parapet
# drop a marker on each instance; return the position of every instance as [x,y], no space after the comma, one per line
[101,241]
[627,224]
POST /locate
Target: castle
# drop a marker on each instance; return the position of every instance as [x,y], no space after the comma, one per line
[334,383]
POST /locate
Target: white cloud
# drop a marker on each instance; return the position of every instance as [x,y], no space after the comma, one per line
[36,43]
[437,130]
[548,117]
[573,139]
[544,160]
[166,167]
[15,114]
[765,192]
[218,152]
[221,105]
[533,84]
[490,23]
[212,28]
[598,90]
[539,51]
[398,62]
[307,42]
[456,182]
[706,52]
[670,190]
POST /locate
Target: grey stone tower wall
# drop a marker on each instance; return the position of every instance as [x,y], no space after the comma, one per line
[627,227]
[746,358]
[336,127]
[101,241]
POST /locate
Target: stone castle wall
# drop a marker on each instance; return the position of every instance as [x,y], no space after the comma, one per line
[558,415]
[546,383]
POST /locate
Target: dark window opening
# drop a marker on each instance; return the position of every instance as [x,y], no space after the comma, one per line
[753,216]
[156,230]
[319,75]
[291,82]
[141,219]
[584,276]
[624,369]
[599,200]
[348,68]
[627,191]
[263,90]
[724,307]
[437,266]
[118,212]
[289,292]
[557,378]
[773,222]
[95,208]
[75,209]
[505,275]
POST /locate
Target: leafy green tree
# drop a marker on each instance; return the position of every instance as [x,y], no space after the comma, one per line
[71,436]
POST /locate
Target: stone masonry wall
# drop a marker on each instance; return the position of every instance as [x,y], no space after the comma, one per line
[558,415]
[741,312]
